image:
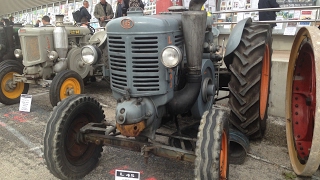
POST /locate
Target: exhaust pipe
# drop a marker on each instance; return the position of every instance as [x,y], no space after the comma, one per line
[194,26]
[60,38]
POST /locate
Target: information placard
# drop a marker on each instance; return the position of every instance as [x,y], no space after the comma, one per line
[25,102]
[127,175]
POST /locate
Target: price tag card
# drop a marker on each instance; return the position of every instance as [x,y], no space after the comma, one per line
[127,175]
[25,102]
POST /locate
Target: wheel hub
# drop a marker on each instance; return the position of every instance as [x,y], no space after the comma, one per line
[10,85]
[207,89]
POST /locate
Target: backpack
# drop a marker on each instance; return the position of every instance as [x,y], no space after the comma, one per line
[77,16]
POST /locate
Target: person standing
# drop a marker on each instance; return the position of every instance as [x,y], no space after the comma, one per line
[45,22]
[11,20]
[119,9]
[103,11]
[268,15]
[84,12]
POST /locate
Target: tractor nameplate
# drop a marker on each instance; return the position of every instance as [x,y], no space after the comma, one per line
[74,31]
[127,23]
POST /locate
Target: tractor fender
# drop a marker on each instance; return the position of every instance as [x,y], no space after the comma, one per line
[98,38]
[234,40]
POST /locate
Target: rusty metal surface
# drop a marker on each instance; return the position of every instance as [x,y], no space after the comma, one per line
[131,130]
[144,147]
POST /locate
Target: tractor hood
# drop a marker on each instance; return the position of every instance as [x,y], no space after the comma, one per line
[139,24]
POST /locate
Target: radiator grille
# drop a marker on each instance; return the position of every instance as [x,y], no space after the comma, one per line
[134,60]
[32,48]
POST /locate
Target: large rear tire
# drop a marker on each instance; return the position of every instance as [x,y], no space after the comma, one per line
[302,102]
[10,91]
[212,148]
[250,81]
[64,84]
[65,155]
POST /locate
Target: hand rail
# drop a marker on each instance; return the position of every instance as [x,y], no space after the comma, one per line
[271,9]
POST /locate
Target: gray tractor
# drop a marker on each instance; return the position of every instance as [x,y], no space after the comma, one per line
[52,56]
[163,67]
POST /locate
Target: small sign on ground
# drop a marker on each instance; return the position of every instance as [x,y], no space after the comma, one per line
[25,102]
[127,175]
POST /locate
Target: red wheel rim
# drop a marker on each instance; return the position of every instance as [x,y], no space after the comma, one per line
[303,101]
[265,82]
[224,156]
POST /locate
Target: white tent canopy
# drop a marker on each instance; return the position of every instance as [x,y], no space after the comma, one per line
[14,6]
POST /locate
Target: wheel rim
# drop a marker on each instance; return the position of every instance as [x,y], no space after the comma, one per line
[77,152]
[8,89]
[264,87]
[301,103]
[70,86]
[224,156]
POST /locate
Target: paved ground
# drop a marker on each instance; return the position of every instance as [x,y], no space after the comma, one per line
[22,136]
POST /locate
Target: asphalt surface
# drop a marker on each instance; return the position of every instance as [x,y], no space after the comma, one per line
[21,147]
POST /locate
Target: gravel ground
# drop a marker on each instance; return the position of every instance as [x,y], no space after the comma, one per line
[22,136]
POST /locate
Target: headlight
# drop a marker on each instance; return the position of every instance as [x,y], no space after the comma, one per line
[171,56]
[18,53]
[52,55]
[89,54]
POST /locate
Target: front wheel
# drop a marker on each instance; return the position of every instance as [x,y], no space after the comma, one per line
[212,149]
[10,90]
[64,84]
[65,155]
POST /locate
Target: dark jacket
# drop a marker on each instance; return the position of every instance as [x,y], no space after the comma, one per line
[268,15]
[84,13]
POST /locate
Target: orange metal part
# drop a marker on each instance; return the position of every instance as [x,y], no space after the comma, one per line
[131,130]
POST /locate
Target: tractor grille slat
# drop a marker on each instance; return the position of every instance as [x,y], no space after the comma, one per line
[134,59]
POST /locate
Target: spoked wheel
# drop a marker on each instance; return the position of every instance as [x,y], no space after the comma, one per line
[66,156]
[250,80]
[64,84]
[10,90]
[302,114]
[212,159]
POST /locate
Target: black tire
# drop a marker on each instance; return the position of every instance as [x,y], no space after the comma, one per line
[212,143]
[9,61]
[11,95]
[69,82]
[250,81]
[64,124]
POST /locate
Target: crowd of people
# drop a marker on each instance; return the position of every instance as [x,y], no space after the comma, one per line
[103,12]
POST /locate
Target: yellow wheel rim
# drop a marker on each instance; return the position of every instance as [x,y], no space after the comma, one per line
[10,90]
[69,86]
